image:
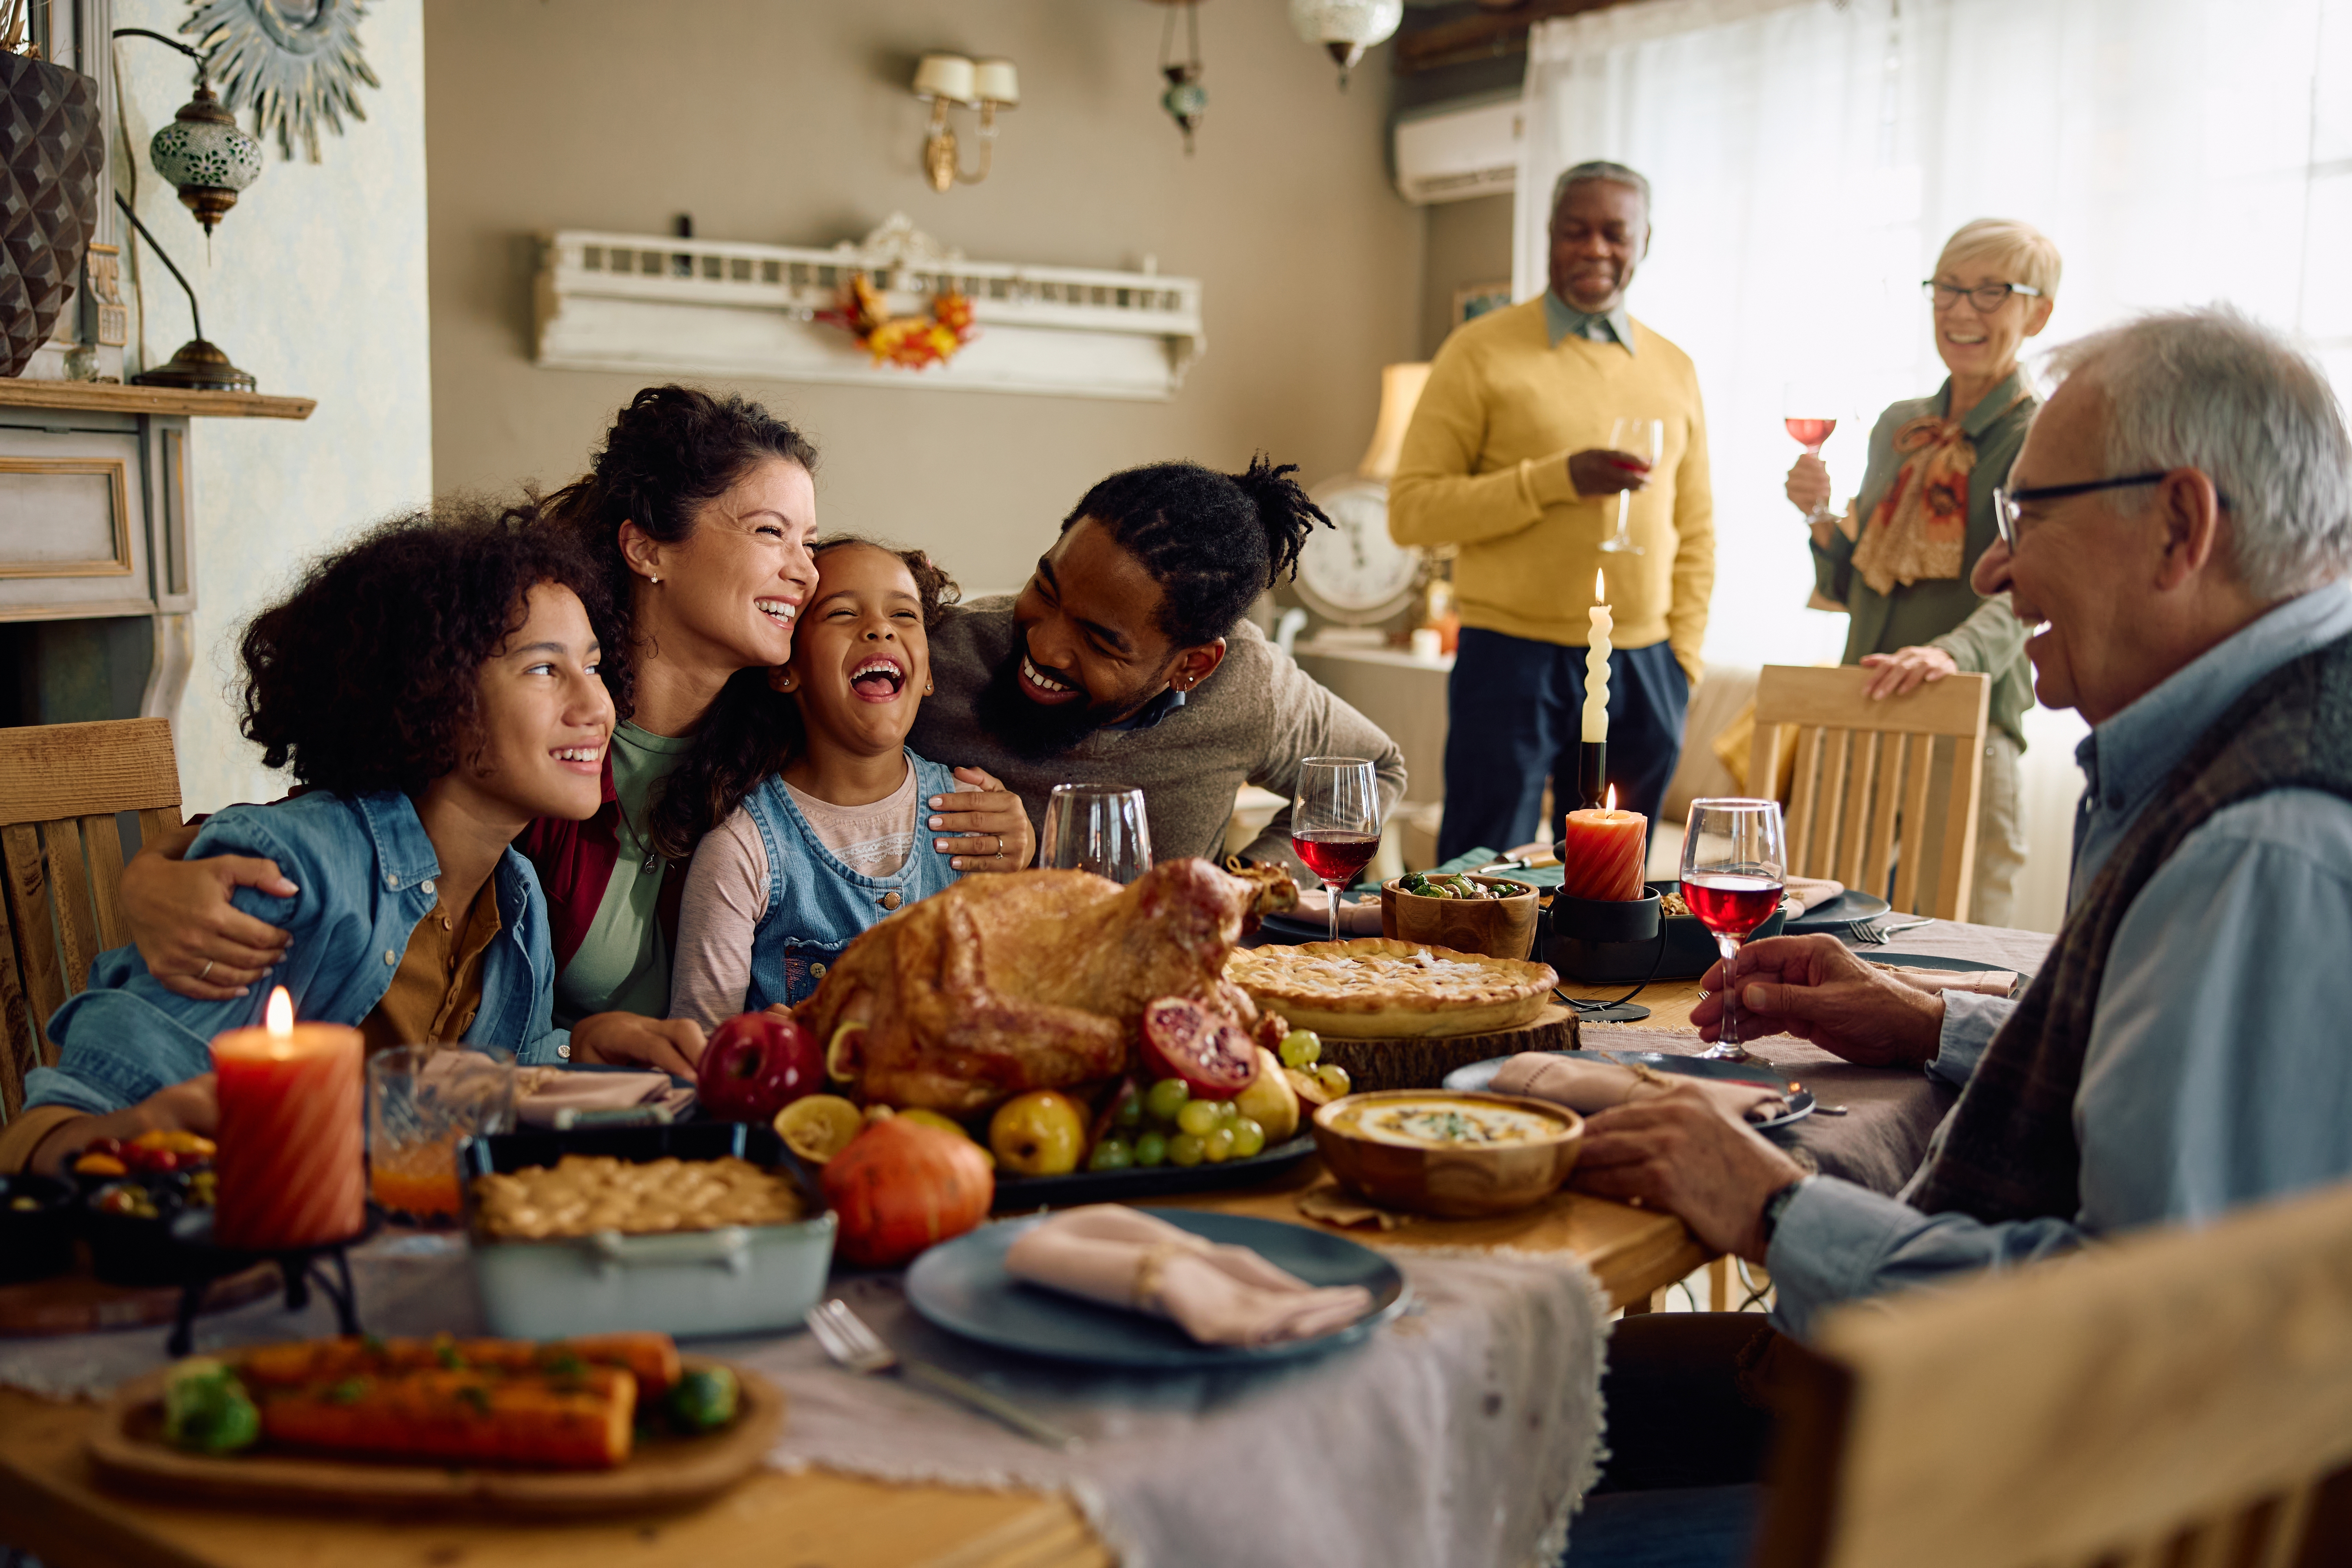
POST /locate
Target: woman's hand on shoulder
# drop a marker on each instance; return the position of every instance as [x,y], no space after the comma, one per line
[1808,489]
[197,943]
[1906,669]
[673,1045]
[989,828]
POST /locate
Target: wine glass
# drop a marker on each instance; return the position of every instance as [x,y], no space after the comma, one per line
[1809,413]
[1645,440]
[1099,828]
[1335,824]
[1735,866]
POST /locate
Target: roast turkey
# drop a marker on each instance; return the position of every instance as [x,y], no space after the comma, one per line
[1029,979]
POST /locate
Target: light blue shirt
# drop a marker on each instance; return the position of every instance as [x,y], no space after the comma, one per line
[2216,1073]
[1563,320]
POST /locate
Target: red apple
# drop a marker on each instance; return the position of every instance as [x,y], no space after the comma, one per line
[755,1065]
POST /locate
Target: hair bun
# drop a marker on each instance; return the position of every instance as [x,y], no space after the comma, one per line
[1284,510]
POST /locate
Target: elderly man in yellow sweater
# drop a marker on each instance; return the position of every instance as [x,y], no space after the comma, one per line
[1507,458]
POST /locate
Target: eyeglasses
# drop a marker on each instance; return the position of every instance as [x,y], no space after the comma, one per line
[1987,298]
[2007,503]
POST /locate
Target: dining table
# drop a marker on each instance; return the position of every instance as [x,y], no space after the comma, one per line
[54,1506]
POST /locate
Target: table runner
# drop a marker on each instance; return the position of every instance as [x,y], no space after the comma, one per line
[1465,1432]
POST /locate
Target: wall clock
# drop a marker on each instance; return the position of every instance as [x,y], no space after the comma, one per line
[1353,572]
[292,62]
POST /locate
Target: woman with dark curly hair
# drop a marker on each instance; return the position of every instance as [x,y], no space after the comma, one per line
[699,512]
[435,688]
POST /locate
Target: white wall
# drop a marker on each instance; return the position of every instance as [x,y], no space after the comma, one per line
[315,284]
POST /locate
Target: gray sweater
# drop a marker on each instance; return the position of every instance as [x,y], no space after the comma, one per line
[1250,723]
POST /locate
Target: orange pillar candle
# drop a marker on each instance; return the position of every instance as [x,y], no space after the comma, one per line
[1601,852]
[292,1131]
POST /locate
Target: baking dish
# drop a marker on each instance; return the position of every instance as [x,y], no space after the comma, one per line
[737,1280]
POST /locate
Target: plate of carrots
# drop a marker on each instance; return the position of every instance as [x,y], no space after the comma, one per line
[605,1424]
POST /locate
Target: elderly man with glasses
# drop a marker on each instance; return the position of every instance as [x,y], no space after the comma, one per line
[1898,562]
[2179,526]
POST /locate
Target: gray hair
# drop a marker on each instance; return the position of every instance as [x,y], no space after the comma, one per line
[2215,390]
[1602,169]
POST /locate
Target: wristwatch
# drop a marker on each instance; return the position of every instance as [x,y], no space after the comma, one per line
[1778,1204]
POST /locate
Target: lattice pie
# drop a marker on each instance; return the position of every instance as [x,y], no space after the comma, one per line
[1380,989]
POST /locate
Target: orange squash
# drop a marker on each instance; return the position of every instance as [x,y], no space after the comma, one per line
[900,1187]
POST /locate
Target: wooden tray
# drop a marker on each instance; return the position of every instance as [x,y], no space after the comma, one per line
[127,1447]
[1424,1063]
[81,1303]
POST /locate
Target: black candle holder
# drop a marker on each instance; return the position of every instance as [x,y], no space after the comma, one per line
[1580,928]
[299,1266]
[1592,773]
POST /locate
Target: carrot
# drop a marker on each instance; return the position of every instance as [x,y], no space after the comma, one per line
[653,1358]
[572,1421]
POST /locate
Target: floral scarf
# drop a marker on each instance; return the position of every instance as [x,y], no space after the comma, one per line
[1919,530]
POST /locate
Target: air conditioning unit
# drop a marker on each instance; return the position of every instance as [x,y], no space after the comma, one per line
[1452,152]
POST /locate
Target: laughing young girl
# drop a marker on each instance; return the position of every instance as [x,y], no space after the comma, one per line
[836,839]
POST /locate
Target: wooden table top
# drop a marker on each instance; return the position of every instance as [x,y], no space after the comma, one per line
[52,1506]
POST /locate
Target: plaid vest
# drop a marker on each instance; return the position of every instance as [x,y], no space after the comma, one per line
[2011,1152]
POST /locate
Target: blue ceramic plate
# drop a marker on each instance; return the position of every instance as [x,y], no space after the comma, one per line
[1478,1077]
[962,1286]
[1833,916]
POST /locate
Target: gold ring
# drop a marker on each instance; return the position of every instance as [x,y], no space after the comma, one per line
[1000,847]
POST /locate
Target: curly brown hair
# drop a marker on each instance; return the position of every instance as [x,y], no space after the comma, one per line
[364,678]
[670,452]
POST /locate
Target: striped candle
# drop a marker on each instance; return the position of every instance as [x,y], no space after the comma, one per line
[290,1166]
[1601,852]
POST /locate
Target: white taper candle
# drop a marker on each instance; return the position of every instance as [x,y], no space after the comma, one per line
[1596,667]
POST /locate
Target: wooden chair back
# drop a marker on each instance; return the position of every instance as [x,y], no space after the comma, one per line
[61,787]
[1866,776]
[2182,1398]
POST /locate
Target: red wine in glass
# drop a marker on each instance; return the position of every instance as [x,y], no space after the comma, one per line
[1335,822]
[1811,433]
[1735,860]
[1335,857]
[1732,906]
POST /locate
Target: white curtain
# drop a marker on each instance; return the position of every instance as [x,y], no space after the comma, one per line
[1809,159]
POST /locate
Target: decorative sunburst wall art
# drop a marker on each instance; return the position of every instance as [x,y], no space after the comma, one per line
[292,62]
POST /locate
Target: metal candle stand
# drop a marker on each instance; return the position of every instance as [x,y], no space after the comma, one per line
[298,1266]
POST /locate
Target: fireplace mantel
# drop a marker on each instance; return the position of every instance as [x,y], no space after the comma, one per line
[111,397]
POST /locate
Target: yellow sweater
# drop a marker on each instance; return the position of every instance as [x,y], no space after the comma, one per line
[1486,467]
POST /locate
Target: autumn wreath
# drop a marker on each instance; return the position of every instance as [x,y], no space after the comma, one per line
[911,343]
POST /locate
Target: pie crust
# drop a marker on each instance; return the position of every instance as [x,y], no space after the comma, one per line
[1378,988]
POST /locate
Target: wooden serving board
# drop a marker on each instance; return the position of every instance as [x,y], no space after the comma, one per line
[1417,1063]
[127,1448]
[81,1303]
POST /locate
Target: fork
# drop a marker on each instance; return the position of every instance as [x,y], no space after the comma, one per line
[848,1340]
[1878,932]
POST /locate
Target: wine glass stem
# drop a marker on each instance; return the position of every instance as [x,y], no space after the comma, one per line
[1729,1038]
[1332,893]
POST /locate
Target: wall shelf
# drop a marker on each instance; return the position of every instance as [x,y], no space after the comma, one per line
[113,398]
[656,305]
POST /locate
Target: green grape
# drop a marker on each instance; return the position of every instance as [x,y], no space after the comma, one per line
[1229,1111]
[1199,1117]
[1301,1047]
[1129,1114]
[1165,1098]
[1151,1149]
[1185,1149]
[1249,1139]
[1334,1079]
[1110,1154]
[1218,1146]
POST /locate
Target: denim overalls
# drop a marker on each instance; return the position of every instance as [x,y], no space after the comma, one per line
[815,912]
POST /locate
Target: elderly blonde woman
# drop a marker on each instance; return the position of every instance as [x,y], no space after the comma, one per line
[1900,561]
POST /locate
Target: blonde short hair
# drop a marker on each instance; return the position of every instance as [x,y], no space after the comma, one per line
[2022,250]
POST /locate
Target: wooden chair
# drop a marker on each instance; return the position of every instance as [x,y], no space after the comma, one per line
[2182,1399]
[60,786]
[1866,780]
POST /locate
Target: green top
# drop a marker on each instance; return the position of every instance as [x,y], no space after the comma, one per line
[1562,319]
[622,963]
[1980,634]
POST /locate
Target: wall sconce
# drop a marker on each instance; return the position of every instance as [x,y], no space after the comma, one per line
[985,84]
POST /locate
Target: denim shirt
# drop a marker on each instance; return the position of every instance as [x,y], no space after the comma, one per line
[2215,1075]
[822,907]
[365,871]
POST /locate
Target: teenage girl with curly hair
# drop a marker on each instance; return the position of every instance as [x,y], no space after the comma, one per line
[699,512]
[435,688]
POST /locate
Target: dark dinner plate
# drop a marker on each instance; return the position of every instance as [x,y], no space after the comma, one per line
[1014,1194]
[1833,916]
[960,1286]
[1290,930]
[1479,1076]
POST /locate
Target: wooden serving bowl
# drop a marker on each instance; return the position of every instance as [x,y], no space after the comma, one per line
[1450,1182]
[1497,928]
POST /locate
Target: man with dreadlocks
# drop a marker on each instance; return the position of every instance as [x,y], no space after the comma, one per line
[1127,659]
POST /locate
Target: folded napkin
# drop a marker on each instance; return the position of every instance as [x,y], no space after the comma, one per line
[1809,893]
[1355,920]
[1219,1295]
[560,1099]
[1587,1085]
[1983,982]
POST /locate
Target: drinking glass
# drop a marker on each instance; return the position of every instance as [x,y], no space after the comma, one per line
[1645,440]
[422,1102]
[1335,823]
[1098,828]
[1735,867]
[1809,413]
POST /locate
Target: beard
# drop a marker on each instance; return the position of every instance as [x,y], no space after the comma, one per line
[1034,730]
